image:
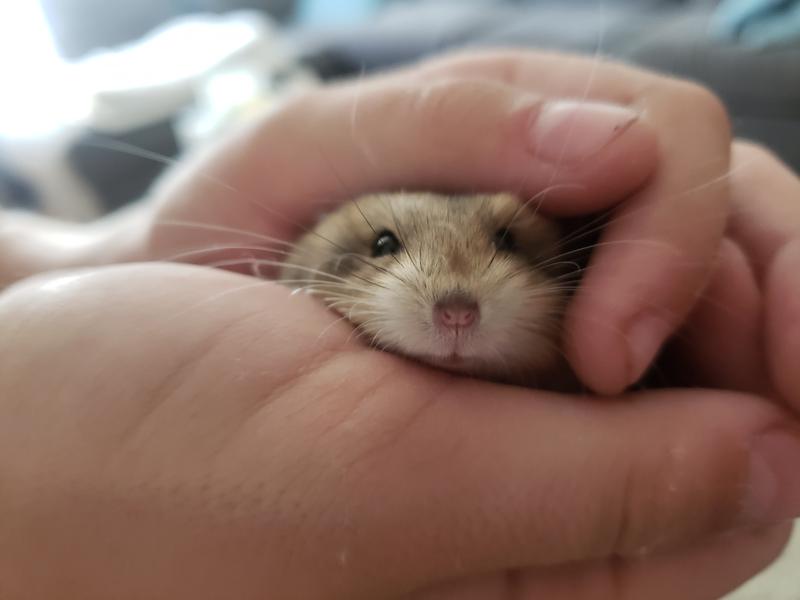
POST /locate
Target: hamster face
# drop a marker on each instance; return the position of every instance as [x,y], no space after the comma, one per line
[467,283]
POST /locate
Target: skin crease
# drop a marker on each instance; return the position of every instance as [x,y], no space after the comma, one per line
[127,446]
[756,282]
[318,462]
[332,140]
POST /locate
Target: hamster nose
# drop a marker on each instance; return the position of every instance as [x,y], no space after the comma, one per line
[456,313]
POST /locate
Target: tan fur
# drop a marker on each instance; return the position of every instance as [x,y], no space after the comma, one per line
[448,247]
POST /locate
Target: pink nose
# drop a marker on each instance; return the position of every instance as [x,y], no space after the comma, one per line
[456,313]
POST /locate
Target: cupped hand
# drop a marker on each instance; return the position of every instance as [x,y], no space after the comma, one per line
[169,431]
[575,135]
[744,333]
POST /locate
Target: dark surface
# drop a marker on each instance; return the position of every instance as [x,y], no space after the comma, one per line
[109,164]
[16,192]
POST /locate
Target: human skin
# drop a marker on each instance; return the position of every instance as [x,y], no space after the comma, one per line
[170,431]
[481,121]
[751,306]
[226,450]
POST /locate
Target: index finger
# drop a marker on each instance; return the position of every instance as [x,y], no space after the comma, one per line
[658,248]
[766,223]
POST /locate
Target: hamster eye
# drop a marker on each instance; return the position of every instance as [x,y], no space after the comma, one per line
[504,240]
[386,243]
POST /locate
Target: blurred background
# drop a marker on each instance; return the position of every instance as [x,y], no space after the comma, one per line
[98,96]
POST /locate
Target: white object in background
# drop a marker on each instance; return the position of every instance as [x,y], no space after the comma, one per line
[40,94]
[42,163]
[42,108]
[47,103]
[255,80]
[151,79]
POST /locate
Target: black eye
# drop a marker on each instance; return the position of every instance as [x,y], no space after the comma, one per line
[504,240]
[386,243]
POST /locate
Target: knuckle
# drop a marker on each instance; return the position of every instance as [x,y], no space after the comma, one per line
[436,104]
[755,152]
[453,62]
[701,100]
[667,500]
[458,110]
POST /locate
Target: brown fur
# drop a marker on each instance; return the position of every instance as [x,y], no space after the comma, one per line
[448,247]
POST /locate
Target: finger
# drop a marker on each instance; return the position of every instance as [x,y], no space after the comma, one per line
[783,322]
[127,404]
[542,483]
[710,569]
[722,343]
[255,426]
[400,132]
[766,204]
[766,222]
[657,251]
[467,134]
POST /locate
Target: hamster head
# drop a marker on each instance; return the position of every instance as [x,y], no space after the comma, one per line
[467,283]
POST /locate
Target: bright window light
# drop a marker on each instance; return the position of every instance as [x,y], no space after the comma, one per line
[39,95]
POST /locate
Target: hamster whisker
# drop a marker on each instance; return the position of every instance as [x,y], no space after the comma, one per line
[190,254]
[541,195]
[270,263]
[334,280]
[338,301]
[223,294]
[584,97]
[224,229]
[523,206]
[327,328]
[133,150]
[130,149]
[602,220]
[402,238]
[653,243]
[369,263]
[328,287]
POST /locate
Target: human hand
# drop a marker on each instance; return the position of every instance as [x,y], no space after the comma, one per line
[485,121]
[744,333]
[174,432]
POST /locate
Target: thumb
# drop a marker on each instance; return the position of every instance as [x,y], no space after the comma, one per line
[399,131]
[485,478]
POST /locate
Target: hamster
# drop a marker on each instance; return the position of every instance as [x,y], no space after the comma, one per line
[472,284]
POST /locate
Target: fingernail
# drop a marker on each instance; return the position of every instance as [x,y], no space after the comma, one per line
[571,131]
[645,336]
[773,490]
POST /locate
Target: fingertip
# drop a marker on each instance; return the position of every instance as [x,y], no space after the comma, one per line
[594,162]
[624,166]
[594,349]
[569,131]
[783,322]
[608,352]
[646,334]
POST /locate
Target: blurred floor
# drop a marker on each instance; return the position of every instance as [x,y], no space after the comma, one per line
[781,581]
